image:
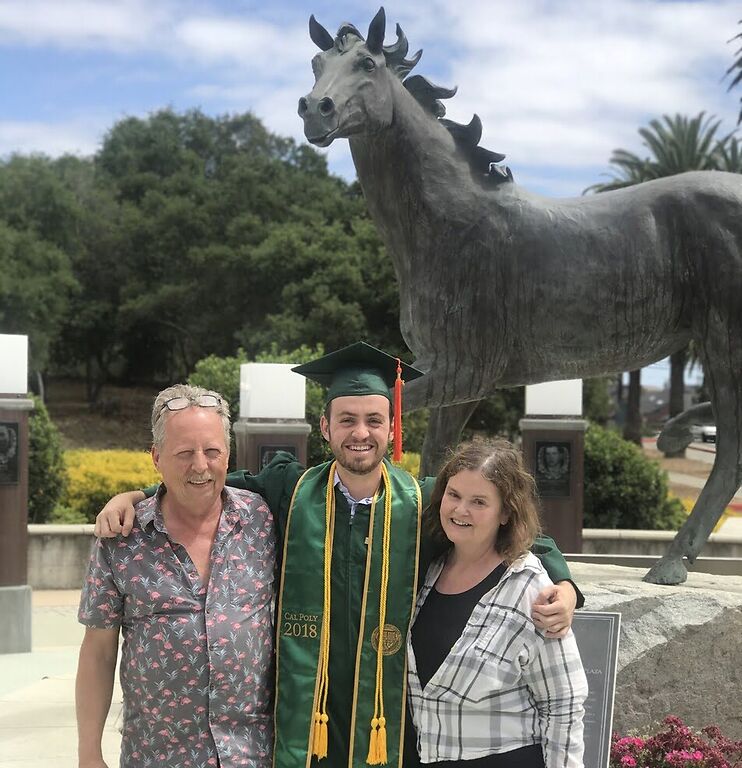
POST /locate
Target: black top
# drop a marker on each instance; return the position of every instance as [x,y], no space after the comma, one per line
[439,624]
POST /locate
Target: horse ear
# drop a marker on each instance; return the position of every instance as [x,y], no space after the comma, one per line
[320,36]
[376,29]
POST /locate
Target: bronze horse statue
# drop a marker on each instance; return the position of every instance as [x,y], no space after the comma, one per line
[501,287]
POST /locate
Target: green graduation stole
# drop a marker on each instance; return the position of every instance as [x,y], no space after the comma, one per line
[302,684]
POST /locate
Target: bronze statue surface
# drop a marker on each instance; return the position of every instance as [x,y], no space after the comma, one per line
[501,287]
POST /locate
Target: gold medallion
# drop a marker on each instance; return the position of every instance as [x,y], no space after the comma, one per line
[392,639]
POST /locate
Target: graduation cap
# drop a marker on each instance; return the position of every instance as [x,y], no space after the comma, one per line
[360,369]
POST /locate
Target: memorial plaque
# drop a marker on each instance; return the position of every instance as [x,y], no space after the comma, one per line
[597,638]
[8,453]
[553,460]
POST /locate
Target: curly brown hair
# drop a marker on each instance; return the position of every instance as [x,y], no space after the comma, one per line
[502,464]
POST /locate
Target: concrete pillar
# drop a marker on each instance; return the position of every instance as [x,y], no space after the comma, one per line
[554,451]
[15,594]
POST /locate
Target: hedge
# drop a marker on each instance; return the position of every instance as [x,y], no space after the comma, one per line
[95,476]
[46,472]
[623,488]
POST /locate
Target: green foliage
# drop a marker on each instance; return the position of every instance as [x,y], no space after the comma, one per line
[47,478]
[414,426]
[498,415]
[62,515]
[597,405]
[35,283]
[222,374]
[187,236]
[676,144]
[624,489]
[95,476]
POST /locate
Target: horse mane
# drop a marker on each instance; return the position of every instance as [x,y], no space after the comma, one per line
[483,162]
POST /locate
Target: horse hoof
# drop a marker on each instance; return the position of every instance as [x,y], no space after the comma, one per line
[667,570]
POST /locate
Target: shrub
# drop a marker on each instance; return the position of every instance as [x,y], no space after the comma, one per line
[410,462]
[623,488]
[66,516]
[46,471]
[677,746]
[222,374]
[95,476]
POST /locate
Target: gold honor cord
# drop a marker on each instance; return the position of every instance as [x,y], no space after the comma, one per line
[377,742]
[377,752]
[319,740]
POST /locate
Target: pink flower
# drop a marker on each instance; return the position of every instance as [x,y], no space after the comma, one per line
[628,761]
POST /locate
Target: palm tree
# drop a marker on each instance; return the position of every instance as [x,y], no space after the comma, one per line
[729,156]
[737,78]
[676,144]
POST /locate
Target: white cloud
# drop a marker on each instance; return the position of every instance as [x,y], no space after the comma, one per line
[113,24]
[558,86]
[563,84]
[79,137]
[265,48]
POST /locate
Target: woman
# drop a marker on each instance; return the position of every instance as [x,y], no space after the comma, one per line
[485,687]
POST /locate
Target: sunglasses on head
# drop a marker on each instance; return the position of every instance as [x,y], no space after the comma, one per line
[179,403]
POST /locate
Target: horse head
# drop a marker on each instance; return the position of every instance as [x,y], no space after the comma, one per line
[352,90]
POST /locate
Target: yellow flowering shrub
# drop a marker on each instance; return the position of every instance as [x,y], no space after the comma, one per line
[95,476]
[410,462]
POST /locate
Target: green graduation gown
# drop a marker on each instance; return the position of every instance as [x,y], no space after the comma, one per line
[276,483]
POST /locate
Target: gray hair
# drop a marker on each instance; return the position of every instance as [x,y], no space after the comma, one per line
[160,412]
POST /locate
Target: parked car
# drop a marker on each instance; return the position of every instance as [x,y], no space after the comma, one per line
[705,433]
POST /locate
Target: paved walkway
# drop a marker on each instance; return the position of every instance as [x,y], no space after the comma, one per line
[37,692]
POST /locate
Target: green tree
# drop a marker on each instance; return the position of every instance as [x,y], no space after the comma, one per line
[90,332]
[597,405]
[675,144]
[47,476]
[231,236]
[38,231]
[35,284]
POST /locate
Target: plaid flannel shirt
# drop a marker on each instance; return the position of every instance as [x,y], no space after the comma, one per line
[503,685]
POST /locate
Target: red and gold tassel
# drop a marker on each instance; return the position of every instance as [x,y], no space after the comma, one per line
[397,448]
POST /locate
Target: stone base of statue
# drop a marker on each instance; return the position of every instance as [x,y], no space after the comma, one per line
[680,646]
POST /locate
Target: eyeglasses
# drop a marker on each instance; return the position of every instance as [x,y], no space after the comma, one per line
[179,403]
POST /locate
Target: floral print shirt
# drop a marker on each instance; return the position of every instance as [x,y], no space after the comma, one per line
[197,659]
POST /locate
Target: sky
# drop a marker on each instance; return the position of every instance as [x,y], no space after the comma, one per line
[558,84]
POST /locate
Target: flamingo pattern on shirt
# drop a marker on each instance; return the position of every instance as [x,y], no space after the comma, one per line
[197,659]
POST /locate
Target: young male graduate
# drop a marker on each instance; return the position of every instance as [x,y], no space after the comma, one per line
[351,552]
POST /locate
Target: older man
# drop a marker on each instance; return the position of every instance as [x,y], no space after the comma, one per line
[191,590]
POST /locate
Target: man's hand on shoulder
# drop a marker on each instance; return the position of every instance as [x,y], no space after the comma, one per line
[554,609]
[117,517]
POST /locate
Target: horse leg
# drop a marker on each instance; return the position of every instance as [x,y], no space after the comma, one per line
[725,477]
[444,432]
[677,433]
